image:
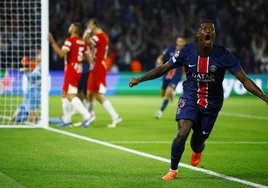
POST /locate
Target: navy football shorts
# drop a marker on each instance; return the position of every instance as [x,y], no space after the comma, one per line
[83,80]
[203,118]
[165,83]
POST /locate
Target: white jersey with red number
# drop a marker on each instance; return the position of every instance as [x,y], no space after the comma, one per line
[76,48]
[100,43]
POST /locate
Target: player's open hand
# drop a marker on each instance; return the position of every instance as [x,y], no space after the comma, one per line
[133,81]
[51,38]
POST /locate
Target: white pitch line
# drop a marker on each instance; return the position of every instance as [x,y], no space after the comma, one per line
[5,117]
[230,178]
[19,126]
[169,142]
[243,115]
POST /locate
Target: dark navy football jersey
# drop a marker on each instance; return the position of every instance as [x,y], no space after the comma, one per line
[168,53]
[172,74]
[204,74]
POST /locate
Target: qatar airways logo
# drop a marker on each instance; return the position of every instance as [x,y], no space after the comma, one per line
[201,77]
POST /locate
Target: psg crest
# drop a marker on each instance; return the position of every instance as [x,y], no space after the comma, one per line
[213,68]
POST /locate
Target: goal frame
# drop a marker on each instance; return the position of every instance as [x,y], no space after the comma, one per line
[44,107]
[45,64]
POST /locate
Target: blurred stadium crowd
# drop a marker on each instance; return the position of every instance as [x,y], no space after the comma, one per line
[141,29]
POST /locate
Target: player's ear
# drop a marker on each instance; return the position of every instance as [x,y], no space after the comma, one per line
[197,34]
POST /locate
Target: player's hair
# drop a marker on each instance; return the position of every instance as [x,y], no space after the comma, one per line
[205,21]
[78,28]
[181,37]
[95,21]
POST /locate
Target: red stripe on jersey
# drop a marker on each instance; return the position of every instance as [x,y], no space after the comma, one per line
[202,67]
[170,74]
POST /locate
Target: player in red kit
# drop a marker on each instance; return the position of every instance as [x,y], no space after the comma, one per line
[74,50]
[96,87]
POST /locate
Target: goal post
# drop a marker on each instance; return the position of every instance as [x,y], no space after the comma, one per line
[45,66]
[23,80]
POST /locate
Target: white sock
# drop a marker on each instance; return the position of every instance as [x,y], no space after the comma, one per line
[86,103]
[109,108]
[174,170]
[73,111]
[66,108]
[91,106]
[80,108]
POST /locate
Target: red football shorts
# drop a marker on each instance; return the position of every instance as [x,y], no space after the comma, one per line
[97,81]
[71,80]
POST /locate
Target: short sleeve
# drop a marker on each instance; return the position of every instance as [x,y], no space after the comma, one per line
[178,59]
[232,63]
[67,45]
[95,40]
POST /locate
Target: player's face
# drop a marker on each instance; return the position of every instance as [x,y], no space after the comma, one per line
[91,25]
[206,34]
[71,29]
[180,42]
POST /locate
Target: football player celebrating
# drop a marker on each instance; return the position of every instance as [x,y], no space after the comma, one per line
[205,64]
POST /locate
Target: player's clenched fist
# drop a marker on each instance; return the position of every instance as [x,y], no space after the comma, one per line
[51,38]
[133,81]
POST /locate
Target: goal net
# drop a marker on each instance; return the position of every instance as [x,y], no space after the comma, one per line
[23,62]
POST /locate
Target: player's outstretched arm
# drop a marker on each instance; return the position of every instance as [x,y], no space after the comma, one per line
[152,74]
[61,53]
[251,86]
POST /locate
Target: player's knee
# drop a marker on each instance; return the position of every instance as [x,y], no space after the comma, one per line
[184,128]
[181,137]
[168,95]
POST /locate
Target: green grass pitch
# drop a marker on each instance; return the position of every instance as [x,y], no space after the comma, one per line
[237,147]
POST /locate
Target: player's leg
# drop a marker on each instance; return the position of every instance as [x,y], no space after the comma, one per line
[78,105]
[67,109]
[168,97]
[197,145]
[82,86]
[91,104]
[92,87]
[162,92]
[110,109]
[165,83]
[35,102]
[33,116]
[20,114]
[186,116]
[201,132]
[15,114]
[72,89]
[97,85]
[177,147]
[66,104]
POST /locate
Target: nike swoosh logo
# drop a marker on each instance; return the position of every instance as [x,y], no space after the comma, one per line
[191,65]
[205,132]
